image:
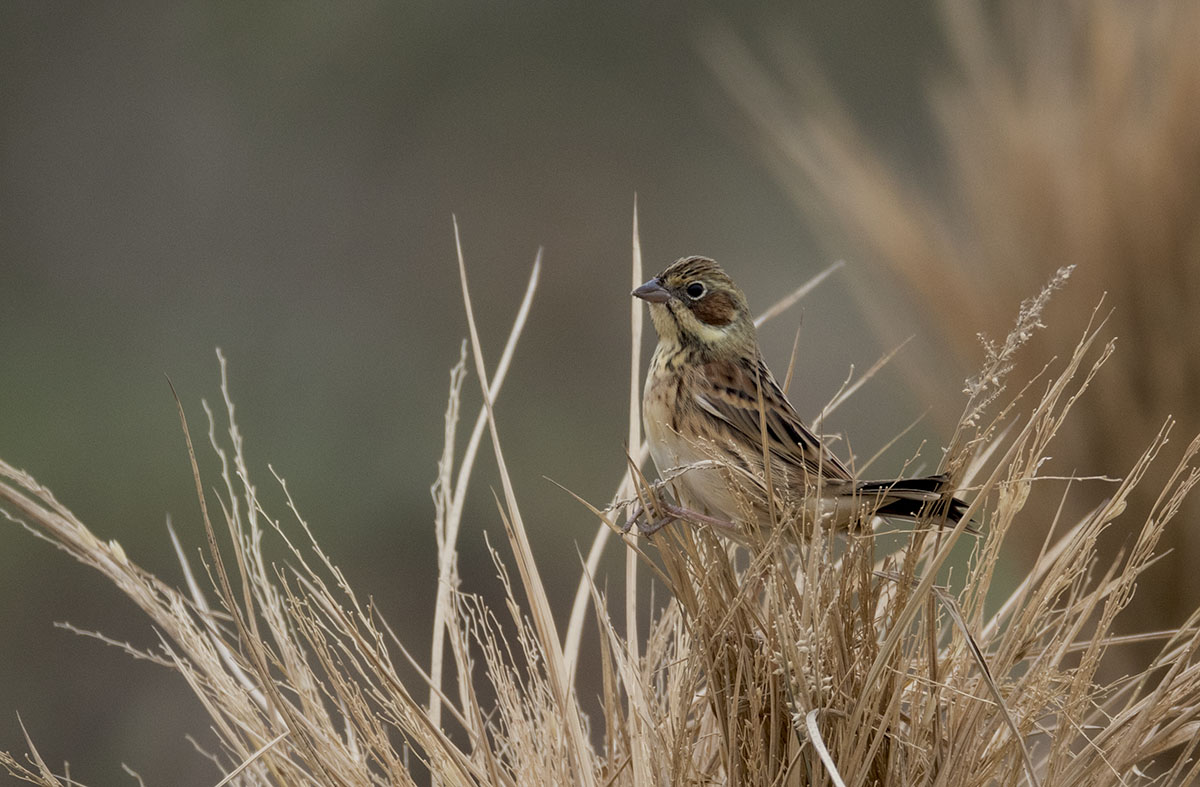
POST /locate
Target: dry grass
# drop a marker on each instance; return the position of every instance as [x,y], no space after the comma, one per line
[1063,134]
[844,662]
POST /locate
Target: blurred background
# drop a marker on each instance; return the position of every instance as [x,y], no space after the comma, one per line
[278,179]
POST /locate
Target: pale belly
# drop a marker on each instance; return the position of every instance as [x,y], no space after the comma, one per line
[694,473]
[693,468]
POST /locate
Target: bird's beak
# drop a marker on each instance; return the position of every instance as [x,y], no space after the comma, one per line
[652,292]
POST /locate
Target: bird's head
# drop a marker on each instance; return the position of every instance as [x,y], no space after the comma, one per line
[694,304]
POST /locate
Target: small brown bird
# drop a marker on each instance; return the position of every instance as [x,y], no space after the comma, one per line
[710,402]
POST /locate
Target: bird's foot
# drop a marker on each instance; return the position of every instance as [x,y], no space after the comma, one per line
[668,513]
[646,526]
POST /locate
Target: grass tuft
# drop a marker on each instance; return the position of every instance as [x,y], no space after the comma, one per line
[1052,135]
[889,658]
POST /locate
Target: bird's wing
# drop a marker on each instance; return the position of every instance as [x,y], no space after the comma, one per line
[728,391]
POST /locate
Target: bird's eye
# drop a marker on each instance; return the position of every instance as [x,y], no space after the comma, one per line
[695,290]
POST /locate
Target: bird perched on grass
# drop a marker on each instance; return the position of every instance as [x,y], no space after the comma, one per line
[710,404]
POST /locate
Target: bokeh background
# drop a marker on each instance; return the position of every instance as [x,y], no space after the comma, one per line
[278,180]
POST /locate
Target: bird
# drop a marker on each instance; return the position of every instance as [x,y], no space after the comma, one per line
[718,426]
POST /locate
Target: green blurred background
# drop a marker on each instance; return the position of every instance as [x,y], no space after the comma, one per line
[278,180]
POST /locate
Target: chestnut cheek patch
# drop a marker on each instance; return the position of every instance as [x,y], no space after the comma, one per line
[716,309]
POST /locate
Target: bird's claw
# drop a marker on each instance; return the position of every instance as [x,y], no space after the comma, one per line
[646,527]
[669,513]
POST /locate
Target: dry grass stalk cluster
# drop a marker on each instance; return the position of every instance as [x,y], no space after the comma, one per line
[1062,134]
[838,662]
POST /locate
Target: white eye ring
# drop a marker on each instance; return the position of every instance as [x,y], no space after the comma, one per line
[696,290]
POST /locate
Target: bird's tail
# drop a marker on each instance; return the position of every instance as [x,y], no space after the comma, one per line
[909,498]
